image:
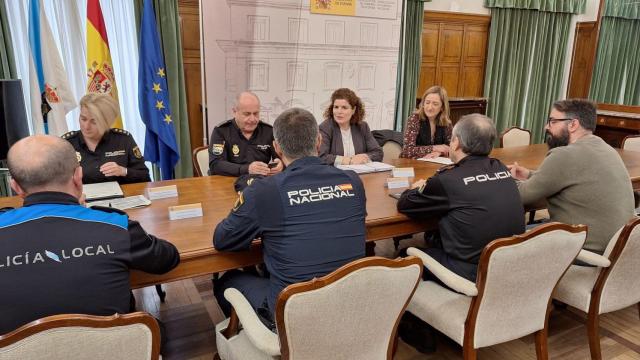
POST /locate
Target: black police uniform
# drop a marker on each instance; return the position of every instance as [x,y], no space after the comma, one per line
[230,153]
[116,145]
[311,218]
[59,257]
[478,202]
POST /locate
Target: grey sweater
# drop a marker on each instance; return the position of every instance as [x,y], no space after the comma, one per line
[584,183]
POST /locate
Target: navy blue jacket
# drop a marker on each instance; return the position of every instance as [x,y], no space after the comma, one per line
[59,257]
[311,218]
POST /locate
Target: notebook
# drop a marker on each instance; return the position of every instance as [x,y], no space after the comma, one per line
[102,191]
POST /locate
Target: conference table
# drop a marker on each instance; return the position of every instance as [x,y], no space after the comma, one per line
[193,236]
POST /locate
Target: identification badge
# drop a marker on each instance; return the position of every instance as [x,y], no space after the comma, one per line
[114,153]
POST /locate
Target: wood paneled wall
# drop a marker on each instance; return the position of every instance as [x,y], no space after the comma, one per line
[190,34]
[454,50]
[582,60]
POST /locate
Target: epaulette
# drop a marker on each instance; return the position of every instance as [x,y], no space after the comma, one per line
[70,134]
[108,209]
[120,131]
[446,167]
[226,123]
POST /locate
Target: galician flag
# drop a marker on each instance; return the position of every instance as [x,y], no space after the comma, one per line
[51,96]
[102,79]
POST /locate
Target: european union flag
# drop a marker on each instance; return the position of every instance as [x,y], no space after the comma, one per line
[153,98]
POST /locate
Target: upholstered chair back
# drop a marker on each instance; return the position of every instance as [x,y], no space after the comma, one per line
[515,136]
[621,287]
[350,314]
[518,281]
[201,160]
[631,142]
[391,151]
[129,337]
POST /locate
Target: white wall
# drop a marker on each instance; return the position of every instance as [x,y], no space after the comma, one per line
[458,6]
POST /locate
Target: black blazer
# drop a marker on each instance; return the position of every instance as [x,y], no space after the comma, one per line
[363,141]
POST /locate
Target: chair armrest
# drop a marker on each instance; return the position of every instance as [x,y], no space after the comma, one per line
[263,338]
[451,279]
[592,258]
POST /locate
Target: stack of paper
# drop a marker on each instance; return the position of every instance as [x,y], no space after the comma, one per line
[129,202]
[101,191]
[438,160]
[373,166]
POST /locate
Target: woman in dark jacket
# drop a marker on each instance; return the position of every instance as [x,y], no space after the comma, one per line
[346,138]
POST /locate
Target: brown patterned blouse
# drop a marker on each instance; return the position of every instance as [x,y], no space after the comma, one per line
[413,147]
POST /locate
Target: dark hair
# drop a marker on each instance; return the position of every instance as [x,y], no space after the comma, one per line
[43,160]
[443,118]
[352,99]
[296,131]
[582,109]
[476,134]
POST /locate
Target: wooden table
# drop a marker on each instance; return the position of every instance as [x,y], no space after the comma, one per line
[193,237]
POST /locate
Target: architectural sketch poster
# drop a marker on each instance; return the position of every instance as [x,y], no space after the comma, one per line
[292,58]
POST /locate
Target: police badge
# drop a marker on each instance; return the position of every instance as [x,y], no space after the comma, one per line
[78,156]
[137,153]
[235,150]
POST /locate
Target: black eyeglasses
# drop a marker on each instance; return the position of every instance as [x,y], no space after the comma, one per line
[551,121]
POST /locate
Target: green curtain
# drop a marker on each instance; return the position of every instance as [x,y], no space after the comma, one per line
[564,6]
[409,59]
[525,63]
[7,60]
[616,73]
[169,30]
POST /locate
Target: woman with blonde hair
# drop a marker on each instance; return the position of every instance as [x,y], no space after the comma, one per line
[429,128]
[346,138]
[105,154]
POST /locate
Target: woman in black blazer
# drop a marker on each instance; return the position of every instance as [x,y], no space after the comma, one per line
[346,138]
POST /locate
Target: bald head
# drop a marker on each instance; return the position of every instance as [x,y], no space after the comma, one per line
[42,163]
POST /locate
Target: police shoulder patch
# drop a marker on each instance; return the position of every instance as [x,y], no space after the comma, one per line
[446,167]
[137,153]
[217,149]
[239,202]
[70,134]
[119,131]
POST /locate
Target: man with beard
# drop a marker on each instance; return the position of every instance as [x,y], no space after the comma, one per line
[582,178]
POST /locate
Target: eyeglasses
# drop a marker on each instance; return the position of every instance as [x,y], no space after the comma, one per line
[551,121]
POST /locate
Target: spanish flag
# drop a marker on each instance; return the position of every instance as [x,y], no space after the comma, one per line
[99,66]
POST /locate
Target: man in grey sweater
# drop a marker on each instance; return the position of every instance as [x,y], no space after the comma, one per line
[582,178]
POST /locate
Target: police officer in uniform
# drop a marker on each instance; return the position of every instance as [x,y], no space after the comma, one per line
[310,217]
[105,154]
[477,202]
[244,144]
[60,257]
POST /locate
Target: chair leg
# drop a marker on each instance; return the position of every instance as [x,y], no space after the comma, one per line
[639,310]
[161,293]
[542,350]
[593,323]
[469,353]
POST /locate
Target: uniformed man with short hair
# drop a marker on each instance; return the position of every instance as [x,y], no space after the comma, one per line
[244,144]
[477,202]
[59,257]
[476,198]
[310,217]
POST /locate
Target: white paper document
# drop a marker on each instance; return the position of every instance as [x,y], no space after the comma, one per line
[438,160]
[129,202]
[373,166]
[102,191]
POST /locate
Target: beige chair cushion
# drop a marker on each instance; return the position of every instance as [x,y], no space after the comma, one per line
[520,279]
[516,137]
[130,342]
[202,158]
[239,347]
[442,308]
[622,287]
[632,143]
[576,285]
[391,151]
[351,318]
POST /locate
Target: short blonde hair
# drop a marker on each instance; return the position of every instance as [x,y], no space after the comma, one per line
[103,108]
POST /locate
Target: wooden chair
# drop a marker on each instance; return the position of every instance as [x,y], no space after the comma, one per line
[515,136]
[610,284]
[512,294]
[201,160]
[352,313]
[134,336]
